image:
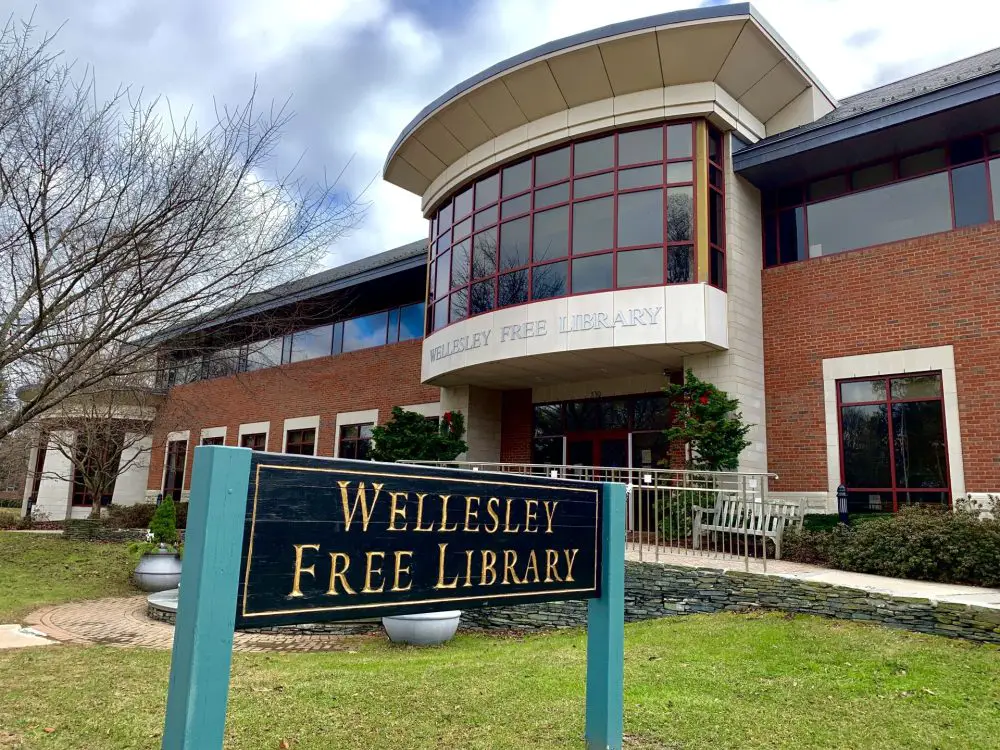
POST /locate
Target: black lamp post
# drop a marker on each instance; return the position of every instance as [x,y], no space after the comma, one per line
[842,503]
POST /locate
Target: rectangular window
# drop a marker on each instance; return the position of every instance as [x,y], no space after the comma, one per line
[892,440]
[220,440]
[255,441]
[301,442]
[173,475]
[316,342]
[264,354]
[365,332]
[894,212]
[355,441]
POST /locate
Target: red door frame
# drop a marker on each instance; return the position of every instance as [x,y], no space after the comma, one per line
[596,437]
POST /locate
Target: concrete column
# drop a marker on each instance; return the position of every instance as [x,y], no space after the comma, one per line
[130,486]
[740,370]
[481,408]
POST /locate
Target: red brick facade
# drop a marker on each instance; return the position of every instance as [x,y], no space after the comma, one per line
[516,417]
[377,378]
[931,291]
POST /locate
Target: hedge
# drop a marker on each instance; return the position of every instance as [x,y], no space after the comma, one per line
[10,502]
[920,543]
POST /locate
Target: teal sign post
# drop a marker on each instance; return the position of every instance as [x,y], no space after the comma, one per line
[275,539]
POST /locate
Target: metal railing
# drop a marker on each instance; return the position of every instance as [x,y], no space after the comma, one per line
[719,515]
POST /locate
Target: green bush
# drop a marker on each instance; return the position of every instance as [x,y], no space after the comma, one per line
[920,543]
[675,515]
[829,521]
[163,525]
[136,516]
[9,502]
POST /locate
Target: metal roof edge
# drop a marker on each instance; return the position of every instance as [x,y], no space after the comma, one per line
[897,113]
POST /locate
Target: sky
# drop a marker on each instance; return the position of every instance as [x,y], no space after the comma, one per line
[356,72]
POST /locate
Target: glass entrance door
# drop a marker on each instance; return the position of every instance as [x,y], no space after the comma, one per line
[608,450]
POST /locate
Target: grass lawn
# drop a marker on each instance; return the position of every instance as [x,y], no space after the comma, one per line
[701,682]
[39,569]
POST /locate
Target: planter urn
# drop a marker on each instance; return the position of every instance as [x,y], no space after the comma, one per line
[423,629]
[159,570]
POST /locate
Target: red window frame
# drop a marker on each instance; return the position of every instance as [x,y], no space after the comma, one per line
[444,224]
[348,444]
[298,441]
[888,401]
[255,441]
[774,206]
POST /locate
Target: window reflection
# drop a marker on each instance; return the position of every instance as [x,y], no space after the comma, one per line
[366,332]
[316,342]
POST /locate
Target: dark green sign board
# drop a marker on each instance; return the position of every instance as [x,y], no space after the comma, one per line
[333,539]
[274,539]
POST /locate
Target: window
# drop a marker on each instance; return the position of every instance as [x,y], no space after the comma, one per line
[554,224]
[255,441]
[301,442]
[643,418]
[97,456]
[355,441]
[893,447]
[173,475]
[716,210]
[220,440]
[264,354]
[316,342]
[365,332]
[931,191]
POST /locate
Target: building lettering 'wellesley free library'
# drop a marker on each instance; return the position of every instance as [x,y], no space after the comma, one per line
[611,209]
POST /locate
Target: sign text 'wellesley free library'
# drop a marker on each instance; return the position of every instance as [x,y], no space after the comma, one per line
[335,540]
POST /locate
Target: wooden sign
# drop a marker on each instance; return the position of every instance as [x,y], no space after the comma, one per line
[329,539]
[277,539]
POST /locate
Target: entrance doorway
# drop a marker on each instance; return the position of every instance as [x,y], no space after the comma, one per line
[597,449]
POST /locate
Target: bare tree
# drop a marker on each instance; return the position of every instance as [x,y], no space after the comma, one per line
[120,224]
[102,433]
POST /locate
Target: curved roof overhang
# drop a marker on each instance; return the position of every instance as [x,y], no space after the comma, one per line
[731,46]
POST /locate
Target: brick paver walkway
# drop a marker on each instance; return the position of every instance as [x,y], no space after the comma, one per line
[123,623]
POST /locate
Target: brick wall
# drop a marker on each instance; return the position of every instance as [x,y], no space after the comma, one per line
[378,378]
[516,426]
[931,291]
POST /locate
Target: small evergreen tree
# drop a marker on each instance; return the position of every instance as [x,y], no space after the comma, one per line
[707,420]
[163,525]
[410,436]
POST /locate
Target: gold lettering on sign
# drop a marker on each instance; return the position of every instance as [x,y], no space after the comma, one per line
[395,510]
[471,514]
[506,525]
[369,571]
[442,548]
[420,513]
[299,570]
[552,566]
[444,515]
[509,561]
[489,563]
[400,569]
[491,507]
[530,514]
[339,574]
[550,511]
[362,497]
[532,567]
[468,569]
[570,559]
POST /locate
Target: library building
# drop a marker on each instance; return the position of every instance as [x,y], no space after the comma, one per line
[610,210]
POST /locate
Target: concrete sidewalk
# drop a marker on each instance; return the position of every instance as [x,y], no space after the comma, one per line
[16,636]
[935,592]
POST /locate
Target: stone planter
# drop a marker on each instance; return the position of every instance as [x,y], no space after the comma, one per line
[158,571]
[425,629]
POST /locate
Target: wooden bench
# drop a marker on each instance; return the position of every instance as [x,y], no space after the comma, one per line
[734,515]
